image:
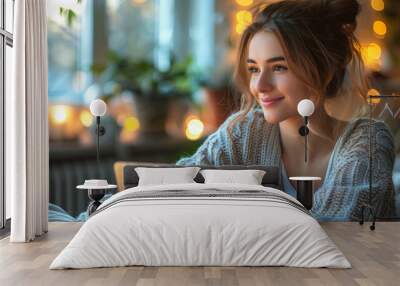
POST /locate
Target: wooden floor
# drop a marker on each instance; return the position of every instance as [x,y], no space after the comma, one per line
[375,257]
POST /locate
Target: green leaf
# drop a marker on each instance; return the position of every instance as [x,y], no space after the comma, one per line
[68,14]
[71,16]
[61,11]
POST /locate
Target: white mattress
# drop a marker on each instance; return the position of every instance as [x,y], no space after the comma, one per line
[189,231]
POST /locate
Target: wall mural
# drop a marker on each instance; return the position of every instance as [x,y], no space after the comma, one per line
[165,70]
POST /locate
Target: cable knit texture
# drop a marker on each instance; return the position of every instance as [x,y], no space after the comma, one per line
[346,185]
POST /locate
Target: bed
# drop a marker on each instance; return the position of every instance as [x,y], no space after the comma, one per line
[201,224]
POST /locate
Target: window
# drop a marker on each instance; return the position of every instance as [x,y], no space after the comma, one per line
[130,23]
[66,77]
[6,44]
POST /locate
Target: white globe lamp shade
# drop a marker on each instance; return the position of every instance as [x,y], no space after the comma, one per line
[98,107]
[305,107]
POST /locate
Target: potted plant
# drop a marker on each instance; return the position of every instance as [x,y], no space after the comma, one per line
[153,89]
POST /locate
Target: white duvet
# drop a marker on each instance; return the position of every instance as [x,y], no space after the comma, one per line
[189,231]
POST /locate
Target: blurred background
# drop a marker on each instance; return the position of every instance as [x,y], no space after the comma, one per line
[164,69]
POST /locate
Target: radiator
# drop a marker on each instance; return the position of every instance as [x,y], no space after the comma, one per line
[70,167]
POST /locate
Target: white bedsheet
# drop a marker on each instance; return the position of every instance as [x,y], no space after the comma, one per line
[200,231]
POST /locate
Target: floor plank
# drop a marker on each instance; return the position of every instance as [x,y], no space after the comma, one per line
[374,255]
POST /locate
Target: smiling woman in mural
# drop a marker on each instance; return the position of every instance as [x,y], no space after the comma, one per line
[298,50]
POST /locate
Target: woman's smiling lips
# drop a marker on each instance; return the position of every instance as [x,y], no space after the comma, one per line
[267,101]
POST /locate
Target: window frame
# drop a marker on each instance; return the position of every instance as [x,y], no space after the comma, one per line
[6,39]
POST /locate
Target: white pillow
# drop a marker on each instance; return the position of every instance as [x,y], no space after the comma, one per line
[249,177]
[164,176]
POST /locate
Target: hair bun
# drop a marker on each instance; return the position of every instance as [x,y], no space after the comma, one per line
[344,12]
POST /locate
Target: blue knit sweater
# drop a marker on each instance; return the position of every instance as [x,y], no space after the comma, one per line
[346,184]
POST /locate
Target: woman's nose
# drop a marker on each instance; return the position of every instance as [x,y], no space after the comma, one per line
[264,83]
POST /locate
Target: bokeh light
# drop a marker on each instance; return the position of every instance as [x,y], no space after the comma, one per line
[374,51]
[59,114]
[378,5]
[240,28]
[379,28]
[244,2]
[131,124]
[138,2]
[86,118]
[244,17]
[194,129]
[373,92]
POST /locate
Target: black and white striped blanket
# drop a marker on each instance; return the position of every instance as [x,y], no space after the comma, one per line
[205,194]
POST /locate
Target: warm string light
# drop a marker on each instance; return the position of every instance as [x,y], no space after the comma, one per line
[130,127]
[59,114]
[131,124]
[372,52]
[378,5]
[244,3]
[379,28]
[62,121]
[373,92]
[194,128]
[62,115]
[240,28]
[86,118]
[243,19]
[138,2]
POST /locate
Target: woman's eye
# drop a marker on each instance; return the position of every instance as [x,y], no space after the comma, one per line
[279,68]
[252,69]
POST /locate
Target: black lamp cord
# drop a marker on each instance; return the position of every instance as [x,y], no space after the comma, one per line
[370,153]
[303,131]
[98,138]
[305,138]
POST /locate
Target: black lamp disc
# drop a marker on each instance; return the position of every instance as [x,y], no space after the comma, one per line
[100,130]
[303,130]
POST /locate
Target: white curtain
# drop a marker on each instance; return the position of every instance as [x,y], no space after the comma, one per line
[27,149]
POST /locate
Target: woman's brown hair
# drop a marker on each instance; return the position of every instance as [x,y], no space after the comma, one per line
[317,37]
